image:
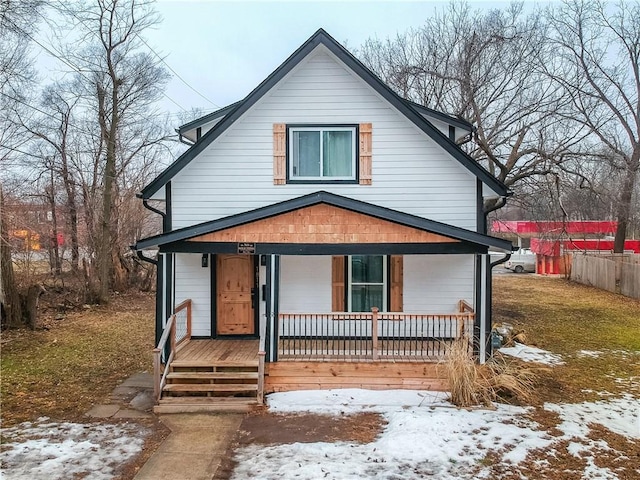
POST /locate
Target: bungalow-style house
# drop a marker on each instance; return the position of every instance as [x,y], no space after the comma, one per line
[321,233]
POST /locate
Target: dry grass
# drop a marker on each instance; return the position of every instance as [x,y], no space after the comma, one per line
[569,318]
[62,371]
[472,384]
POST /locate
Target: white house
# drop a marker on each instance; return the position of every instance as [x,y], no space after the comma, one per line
[322,232]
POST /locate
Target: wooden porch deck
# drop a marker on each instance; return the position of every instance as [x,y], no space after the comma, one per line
[218,351]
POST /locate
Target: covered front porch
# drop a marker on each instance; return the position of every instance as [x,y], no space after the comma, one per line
[329,288]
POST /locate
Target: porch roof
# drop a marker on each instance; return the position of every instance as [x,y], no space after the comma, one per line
[414,234]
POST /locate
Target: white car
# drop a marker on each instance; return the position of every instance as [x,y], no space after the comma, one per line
[522,261]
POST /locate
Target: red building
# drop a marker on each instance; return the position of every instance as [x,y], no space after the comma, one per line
[553,242]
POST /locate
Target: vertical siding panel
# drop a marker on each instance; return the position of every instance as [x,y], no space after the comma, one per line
[396,297]
[337,283]
[365,159]
[279,153]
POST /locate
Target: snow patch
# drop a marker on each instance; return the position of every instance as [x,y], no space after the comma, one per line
[620,415]
[68,450]
[427,437]
[532,354]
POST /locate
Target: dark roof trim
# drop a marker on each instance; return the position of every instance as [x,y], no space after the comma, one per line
[198,122]
[323,38]
[329,248]
[329,199]
[456,122]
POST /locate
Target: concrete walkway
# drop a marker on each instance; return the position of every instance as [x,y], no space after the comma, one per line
[194,449]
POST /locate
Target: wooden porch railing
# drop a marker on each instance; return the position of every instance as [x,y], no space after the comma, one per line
[370,335]
[177,332]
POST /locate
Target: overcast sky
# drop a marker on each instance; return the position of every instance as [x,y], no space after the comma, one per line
[223,49]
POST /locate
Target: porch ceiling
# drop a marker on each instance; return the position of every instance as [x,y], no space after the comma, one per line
[322,224]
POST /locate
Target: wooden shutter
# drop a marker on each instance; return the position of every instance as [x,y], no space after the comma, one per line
[279,153]
[337,284]
[395,278]
[364,161]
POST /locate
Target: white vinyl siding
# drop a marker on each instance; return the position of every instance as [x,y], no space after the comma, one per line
[431,283]
[435,283]
[411,173]
[194,282]
[305,284]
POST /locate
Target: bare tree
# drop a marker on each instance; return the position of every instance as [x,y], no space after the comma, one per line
[16,73]
[482,66]
[122,82]
[597,52]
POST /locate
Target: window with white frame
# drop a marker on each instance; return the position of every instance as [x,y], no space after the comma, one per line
[326,153]
[367,276]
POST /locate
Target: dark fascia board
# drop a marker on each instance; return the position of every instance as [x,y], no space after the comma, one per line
[198,122]
[456,122]
[323,38]
[449,248]
[329,199]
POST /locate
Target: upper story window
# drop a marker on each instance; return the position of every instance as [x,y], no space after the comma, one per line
[322,153]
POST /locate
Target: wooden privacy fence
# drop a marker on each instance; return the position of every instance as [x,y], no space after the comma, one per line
[615,273]
[177,332]
[370,335]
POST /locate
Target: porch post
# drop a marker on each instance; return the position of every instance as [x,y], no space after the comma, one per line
[272,310]
[159,297]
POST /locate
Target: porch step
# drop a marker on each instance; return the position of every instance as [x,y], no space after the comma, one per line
[206,376]
[211,387]
[206,404]
[219,364]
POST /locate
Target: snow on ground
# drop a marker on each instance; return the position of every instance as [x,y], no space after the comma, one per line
[532,354]
[620,415]
[425,437]
[67,450]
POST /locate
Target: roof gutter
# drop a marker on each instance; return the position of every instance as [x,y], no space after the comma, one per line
[142,257]
[183,139]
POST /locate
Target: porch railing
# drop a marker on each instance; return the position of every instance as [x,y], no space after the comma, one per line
[177,333]
[370,335]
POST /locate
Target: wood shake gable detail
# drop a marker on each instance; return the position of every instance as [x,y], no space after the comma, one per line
[323,224]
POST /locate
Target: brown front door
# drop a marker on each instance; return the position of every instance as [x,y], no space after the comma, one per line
[234,281]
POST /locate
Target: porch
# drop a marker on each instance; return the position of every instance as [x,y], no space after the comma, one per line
[375,350]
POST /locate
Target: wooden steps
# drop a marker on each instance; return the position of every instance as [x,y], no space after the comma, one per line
[209,386]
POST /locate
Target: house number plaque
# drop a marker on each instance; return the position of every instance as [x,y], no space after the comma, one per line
[246,248]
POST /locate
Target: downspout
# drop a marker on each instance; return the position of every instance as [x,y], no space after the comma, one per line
[159,263]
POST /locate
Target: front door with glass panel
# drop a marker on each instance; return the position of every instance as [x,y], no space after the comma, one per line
[367,282]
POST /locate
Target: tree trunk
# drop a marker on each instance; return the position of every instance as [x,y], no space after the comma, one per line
[105,261]
[72,214]
[626,198]
[11,309]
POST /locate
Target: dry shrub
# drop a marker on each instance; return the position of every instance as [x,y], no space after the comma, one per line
[497,380]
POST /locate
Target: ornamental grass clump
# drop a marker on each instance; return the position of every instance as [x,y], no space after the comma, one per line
[497,380]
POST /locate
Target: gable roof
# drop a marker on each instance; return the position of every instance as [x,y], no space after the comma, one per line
[332,199]
[323,38]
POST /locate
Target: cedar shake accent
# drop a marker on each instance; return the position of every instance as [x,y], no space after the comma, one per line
[323,224]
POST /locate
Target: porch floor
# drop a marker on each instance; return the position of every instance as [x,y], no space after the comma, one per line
[218,351]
